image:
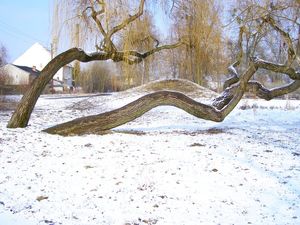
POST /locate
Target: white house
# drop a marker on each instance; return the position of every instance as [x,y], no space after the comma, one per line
[38,56]
[19,75]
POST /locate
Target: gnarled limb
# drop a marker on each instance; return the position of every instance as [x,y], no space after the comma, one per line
[138,57]
[235,91]
[108,120]
[128,20]
[133,110]
[258,90]
[285,36]
[262,92]
[232,68]
[278,68]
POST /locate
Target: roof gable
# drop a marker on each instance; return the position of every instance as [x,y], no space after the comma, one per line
[36,55]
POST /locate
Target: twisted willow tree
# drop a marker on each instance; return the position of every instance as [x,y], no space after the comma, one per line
[266,21]
[96,11]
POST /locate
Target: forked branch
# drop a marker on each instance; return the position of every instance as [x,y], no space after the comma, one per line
[260,91]
[127,21]
[140,56]
[285,36]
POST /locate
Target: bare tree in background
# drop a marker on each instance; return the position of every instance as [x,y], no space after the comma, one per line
[3,55]
[139,35]
[96,77]
[3,61]
[200,22]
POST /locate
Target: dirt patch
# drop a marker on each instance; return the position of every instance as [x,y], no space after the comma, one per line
[197,145]
[210,131]
[215,131]
[139,133]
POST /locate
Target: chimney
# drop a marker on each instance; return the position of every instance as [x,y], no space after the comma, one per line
[34,68]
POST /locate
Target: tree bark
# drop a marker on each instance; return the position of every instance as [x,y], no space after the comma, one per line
[24,109]
[108,120]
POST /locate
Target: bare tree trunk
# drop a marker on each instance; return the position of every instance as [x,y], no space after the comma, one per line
[24,109]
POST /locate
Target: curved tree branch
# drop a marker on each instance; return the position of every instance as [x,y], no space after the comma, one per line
[278,68]
[105,121]
[262,64]
[127,21]
[285,36]
[232,68]
[236,90]
[97,21]
[124,56]
[154,50]
[112,119]
[262,92]
[108,44]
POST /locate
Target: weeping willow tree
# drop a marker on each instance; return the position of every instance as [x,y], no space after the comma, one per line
[267,15]
[140,35]
[203,55]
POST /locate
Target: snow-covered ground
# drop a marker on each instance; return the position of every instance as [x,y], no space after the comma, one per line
[166,167]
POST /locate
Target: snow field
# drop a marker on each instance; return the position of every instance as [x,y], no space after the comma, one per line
[166,167]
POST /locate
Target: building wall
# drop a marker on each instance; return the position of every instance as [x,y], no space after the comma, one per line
[16,75]
[39,57]
[67,74]
[59,75]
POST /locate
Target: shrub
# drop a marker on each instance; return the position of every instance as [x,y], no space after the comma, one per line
[97,77]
